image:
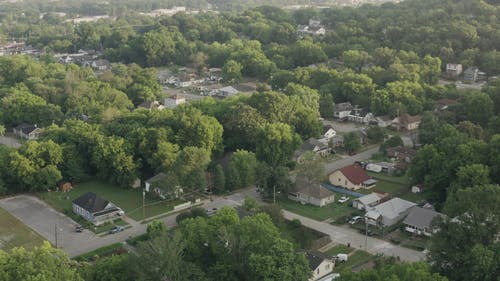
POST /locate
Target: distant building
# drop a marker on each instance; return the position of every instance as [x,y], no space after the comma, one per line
[174,101]
[101,65]
[383,121]
[314,28]
[453,69]
[360,116]
[27,131]
[473,74]
[368,201]
[151,105]
[444,104]
[342,110]
[406,122]
[388,213]
[314,145]
[95,209]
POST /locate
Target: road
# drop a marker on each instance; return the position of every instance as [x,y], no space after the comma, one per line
[344,235]
[10,141]
[348,160]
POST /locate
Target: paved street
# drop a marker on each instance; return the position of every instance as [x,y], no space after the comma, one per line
[344,235]
[10,141]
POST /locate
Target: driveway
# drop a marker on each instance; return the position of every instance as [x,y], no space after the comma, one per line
[10,142]
[344,235]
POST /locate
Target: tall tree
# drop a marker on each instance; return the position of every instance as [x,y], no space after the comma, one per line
[276,144]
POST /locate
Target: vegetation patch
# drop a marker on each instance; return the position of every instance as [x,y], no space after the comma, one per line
[333,210]
[13,233]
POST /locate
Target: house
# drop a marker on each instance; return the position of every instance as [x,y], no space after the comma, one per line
[174,101]
[401,153]
[360,116]
[101,65]
[419,221]
[188,79]
[320,265]
[27,131]
[352,177]
[162,189]
[95,209]
[336,141]
[389,212]
[368,201]
[329,132]
[342,110]
[150,181]
[453,69]
[319,147]
[444,104]
[417,188]
[226,92]
[150,105]
[311,193]
[471,74]
[407,122]
[383,121]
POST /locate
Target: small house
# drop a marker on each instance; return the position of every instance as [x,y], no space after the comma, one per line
[368,201]
[174,101]
[95,209]
[407,122]
[342,110]
[226,92]
[151,105]
[311,193]
[417,188]
[27,131]
[444,104]
[471,74]
[320,265]
[101,65]
[419,221]
[383,121]
[360,116]
[453,69]
[388,213]
[401,153]
[352,177]
[163,189]
[319,147]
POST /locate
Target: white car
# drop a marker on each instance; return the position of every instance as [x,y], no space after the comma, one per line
[343,199]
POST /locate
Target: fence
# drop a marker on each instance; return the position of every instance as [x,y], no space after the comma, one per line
[343,190]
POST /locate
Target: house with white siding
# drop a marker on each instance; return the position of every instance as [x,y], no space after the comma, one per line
[95,209]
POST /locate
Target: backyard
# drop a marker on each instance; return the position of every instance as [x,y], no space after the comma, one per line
[332,211]
[396,186]
[13,233]
[129,200]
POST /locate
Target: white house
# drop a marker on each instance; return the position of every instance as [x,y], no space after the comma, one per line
[101,65]
[309,193]
[27,131]
[320,265]
[360,116]
[389,212]
[419,221]
[95,209]
[150,181]
[342,110]
[227,92]
[150,105]
[368,201]
[383,121]
[174,101]
[417,188]
[454,69]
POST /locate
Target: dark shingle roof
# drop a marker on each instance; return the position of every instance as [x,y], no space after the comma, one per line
[26,128]
[420,217]
[91,202]
[315,259]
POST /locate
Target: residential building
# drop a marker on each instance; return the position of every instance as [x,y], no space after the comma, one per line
[444,104]
[174,101]
[401,153]
[419,221]
[163,189]
[151,105]
[27,131]
[361,116]
[314,28]
[388,213]
[352,177]
[101,65]
[336,141]
[342,110]
[368,201]
[320,265]
[453,69]
[383,121]
[321,148]
[417,188]
[311,193]
[150,181]
[407,122]
[226,92]
[95,209]
[471,74]
[188,79]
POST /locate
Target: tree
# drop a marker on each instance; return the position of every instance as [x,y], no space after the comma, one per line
[233,178]
[355,59]
[375,134]
[219,179]
[112,268]
[2,130]
[311,168]
[326,106]
[276,143]
[351,142]
[45,263]
[466,247]
[471,175]
[231,71]
[394,272]
[245,163]
[476,107]
[155,229]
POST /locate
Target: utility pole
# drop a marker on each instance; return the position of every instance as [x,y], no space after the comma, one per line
[55,233]
[274,194]
[143,203]
[366,235]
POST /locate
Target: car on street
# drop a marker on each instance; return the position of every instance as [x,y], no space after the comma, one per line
[79,228]
[355,219]
[343,199]
[368,232]
[116,229]
[211,212]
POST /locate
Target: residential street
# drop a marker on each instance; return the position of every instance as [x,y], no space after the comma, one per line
[344,235]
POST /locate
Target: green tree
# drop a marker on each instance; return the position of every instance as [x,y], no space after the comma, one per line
[156,228]
[375,134]
[355,59]
[394,272]
[246,164]
[311,168]
[2,130]
[219,178]
[45,263]
[472,175]
[352,142]
[231,71]
[276,143]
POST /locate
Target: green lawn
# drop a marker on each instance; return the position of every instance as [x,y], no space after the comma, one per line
[334,210]
[338,249]
[129,200]
[396,186]
[108,226]
[13,233]
[356,259]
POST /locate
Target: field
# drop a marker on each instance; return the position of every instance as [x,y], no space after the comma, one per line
[338,249]
[332,211]
[356,259]
[13,233]
[129,200]
[396,186]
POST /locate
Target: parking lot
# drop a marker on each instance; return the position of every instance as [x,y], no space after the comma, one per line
[46,221]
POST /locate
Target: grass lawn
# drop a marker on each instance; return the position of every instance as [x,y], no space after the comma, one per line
[107,227]
[356,259]
[129,200]
[396,186]
[13,233]
[333,210]
[339,249]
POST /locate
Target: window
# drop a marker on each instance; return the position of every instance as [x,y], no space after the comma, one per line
[327,267]
[317,271]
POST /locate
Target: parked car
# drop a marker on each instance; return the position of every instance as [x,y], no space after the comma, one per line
[116,229]
[342,257]
[355,219]
[211,212]
[343,199]
[79,228]
[368,232]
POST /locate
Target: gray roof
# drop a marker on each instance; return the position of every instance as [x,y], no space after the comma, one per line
[91,202]
[344,106]
[315,258]
[368,199]
[393,208]
[314,190]
[158,177]
[420,217]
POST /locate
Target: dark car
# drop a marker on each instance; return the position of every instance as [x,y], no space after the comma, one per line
[368,232]
[79,228]
[116,229]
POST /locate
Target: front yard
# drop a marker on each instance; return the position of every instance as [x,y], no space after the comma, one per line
[332,211]
[129,200]
[14,233]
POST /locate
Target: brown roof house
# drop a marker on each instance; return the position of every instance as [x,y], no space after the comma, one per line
[311,193]
[352,177]
[407,122]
